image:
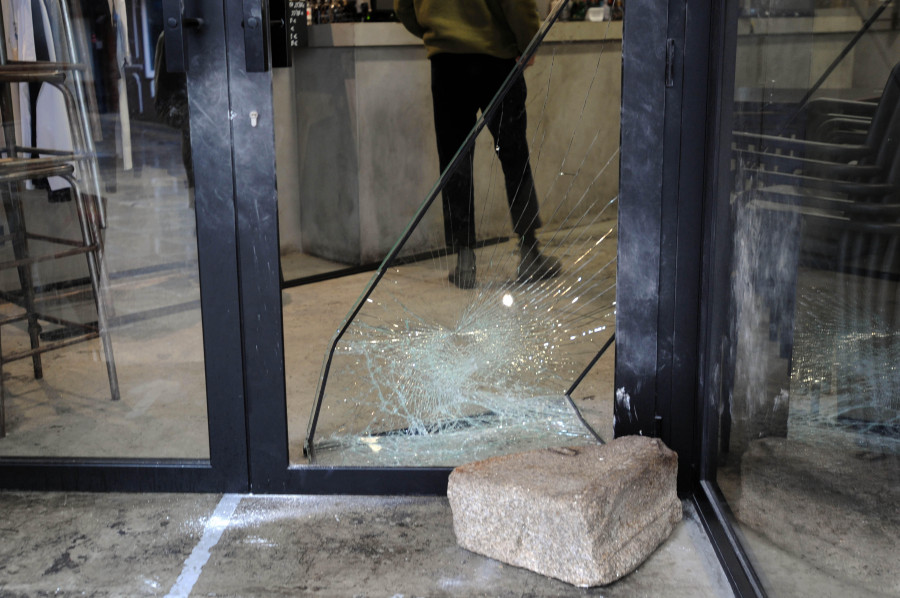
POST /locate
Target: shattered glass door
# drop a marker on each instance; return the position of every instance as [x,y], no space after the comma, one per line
[432,370]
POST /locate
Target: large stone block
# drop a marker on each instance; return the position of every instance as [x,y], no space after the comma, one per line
[585,515]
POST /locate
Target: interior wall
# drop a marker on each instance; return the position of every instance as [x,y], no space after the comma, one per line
[288,178]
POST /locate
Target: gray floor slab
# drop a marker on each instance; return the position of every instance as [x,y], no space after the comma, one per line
[212,545]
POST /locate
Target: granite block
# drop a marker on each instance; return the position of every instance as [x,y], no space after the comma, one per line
[584,515]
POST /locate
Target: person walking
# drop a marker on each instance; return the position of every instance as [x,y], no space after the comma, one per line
[473,45]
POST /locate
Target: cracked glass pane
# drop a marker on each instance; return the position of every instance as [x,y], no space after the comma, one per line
[103,353]
[440,363]
[810,407]
[815,250]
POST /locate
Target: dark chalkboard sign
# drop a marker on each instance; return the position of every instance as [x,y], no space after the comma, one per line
[297,34]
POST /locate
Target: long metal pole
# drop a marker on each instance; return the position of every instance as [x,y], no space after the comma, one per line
[834,63]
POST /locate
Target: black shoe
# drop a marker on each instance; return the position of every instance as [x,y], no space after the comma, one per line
[533,265]
[463,275]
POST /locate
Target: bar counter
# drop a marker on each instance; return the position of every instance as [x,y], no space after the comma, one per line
[355,137]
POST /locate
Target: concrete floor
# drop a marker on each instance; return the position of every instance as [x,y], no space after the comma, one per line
[239,545]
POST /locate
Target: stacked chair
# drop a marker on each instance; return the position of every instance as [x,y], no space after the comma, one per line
[834,194]
[78,167]
[843,178]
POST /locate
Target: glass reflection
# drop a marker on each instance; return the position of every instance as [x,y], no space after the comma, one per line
[431,372]
[811,414]
[126,125]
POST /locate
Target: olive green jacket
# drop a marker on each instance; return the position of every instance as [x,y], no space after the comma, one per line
[501,28]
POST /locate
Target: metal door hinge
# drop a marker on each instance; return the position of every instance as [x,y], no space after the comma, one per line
[670,62]
[256,36]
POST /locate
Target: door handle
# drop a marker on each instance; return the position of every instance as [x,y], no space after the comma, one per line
[256,27]
[174,24]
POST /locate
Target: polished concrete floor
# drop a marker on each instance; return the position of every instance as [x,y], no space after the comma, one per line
[58,544]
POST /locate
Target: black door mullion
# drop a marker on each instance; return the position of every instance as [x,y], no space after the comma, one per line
[660,226]
[718,235]
[640,217]
[211,146]
[713,41]
[681,250]
[669,371]
[255,195]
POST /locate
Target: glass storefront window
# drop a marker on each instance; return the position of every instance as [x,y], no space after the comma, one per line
[127,379]
[809,434]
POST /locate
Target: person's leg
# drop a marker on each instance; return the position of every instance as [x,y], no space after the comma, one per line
[455,109]
[508,126]
[454,116]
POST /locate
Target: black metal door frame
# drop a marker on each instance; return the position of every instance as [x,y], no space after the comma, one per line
[226,470]
[648,331]
[256,206]
[671,78]
[664,104]
[676,103]
[713,284]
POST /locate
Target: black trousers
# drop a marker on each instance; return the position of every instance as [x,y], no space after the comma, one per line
[461,85]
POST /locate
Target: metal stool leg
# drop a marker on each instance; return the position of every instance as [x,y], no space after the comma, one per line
[90,232]
[15,220]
